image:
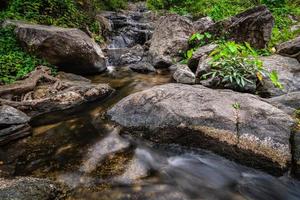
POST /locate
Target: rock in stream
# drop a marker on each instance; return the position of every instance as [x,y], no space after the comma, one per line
[232,124]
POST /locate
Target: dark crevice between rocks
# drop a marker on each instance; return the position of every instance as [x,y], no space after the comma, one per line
[191,138]
[294,170]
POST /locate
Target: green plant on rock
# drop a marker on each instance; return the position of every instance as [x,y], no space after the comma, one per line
[238,65]
[196,41]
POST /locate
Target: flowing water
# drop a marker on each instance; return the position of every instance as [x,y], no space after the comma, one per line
[83,150]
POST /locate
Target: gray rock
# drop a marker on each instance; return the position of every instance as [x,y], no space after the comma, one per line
[253,26]
[199,53]
[288,70]
[201,25]
[13,124]
[70,49]
[184,75]
[289,102]
[290,48]
[26,188]
[256,134]
[169,38]
[12,116]
[142,67]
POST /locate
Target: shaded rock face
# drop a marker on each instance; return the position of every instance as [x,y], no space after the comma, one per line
[198,116]
[169,38]
[26,188]
[290,48]
[289,102]
[13,124]
[184,75]
[288,70]
[69,49]
[199,54]
[253,26]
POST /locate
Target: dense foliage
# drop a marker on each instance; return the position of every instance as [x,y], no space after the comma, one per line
[283,11]
[14,62]
[238,65]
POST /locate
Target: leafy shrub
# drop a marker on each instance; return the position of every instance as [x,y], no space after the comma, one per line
[238,65]
[14,63]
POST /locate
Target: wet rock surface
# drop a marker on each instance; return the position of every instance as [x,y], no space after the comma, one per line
[169,38]
[288,70]
[290,48]
[13,124]
[27,188]
[253,26]
[195,115]
[70,49]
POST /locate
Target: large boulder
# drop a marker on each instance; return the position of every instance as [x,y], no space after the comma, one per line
[253,26]
[70,49]
[27,188]
[288,70]
[297,153]
[239,126]
[290,48]
[13,124]
[169,39]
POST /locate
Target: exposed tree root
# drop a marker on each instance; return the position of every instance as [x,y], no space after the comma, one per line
[40,74]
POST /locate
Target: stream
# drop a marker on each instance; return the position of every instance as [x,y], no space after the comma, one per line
[86,153]
[83,150]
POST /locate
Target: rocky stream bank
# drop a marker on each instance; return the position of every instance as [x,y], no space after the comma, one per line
[137,104]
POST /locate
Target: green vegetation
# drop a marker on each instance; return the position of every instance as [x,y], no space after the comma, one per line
[14,62]
[220,9]
[195,41]
[238,65]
